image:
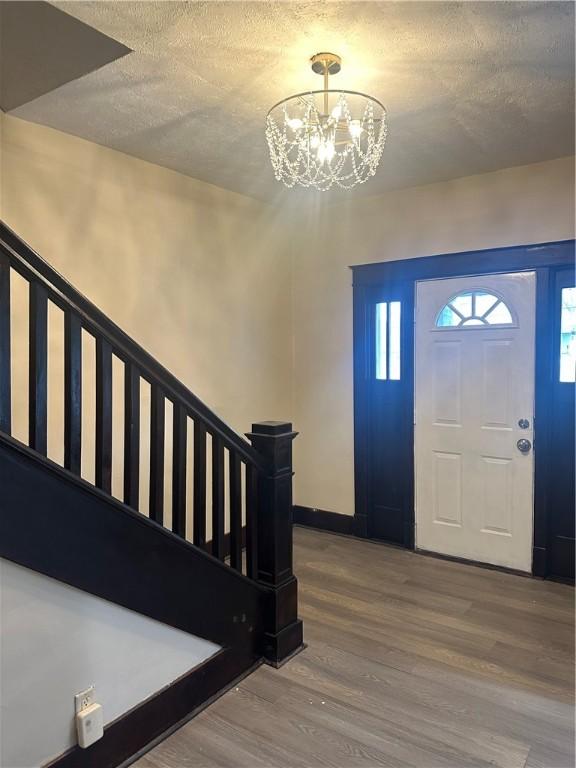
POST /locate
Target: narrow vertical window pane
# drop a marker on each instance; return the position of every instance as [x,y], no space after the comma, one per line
[394,354]
[568,336]
[382,340]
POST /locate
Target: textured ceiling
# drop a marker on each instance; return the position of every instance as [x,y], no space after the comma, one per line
[469,87]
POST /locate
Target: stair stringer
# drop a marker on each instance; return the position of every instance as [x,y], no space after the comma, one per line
[59,525]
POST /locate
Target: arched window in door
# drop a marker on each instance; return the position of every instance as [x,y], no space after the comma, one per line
[474,308]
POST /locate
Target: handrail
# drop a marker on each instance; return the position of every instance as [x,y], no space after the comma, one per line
[249,498]
[18,251]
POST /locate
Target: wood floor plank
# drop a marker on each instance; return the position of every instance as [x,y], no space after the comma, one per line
[412,662]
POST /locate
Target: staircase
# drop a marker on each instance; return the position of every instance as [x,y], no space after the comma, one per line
[216,563]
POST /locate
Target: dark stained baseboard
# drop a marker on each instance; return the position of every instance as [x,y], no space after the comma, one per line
[348,526]
[323,520]
[140,729]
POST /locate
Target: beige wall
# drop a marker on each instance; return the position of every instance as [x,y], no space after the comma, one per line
[199,276]
[528,204]
[191,271]
[251,304]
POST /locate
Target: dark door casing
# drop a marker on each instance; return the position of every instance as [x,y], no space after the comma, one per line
[561,451]
[384,410]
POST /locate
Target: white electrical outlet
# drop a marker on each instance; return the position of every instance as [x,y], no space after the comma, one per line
[89,717]
[84,699]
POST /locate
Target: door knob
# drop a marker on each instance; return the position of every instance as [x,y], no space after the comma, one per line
[524,445]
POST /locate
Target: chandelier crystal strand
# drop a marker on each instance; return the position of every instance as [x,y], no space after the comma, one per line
[324,138]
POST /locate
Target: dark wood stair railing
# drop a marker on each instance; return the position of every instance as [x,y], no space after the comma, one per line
[258,476]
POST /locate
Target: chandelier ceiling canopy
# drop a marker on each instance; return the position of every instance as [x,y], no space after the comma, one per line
[324,138]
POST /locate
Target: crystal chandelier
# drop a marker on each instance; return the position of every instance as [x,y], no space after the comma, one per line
[321,138]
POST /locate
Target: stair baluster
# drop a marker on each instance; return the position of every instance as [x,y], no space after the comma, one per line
[218,498]
[179,429]
[38,370]
[131,436]
[5,362]
[157,441]
[72,392]
[103,415]
[199,528]
[259,476]
[235,485]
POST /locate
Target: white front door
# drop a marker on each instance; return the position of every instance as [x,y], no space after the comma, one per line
[474,400]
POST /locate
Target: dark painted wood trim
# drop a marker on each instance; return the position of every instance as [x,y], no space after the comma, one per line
[234,491]
[323,520]
[72,393]
[5,347]
[539,560]
[29,264]
[157,445]
[361,331]
[134,562]
[226,547]
[103,443]
[491,260]
[139,730]
[561,415]
[38,369]
[131,436]
[561,579]
[396,280]
[283,634]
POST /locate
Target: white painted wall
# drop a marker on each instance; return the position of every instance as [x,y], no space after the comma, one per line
[55,642]
[515,206]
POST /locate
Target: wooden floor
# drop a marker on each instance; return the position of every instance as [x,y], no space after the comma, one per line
[411,661]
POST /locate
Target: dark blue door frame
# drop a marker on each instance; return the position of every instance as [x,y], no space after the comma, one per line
[383,411]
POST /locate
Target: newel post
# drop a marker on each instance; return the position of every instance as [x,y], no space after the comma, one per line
[283,635]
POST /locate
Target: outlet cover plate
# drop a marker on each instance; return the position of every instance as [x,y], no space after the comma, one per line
[84,699]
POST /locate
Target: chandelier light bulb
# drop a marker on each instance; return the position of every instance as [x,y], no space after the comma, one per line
[295,123]
[314,146]
[355,129]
